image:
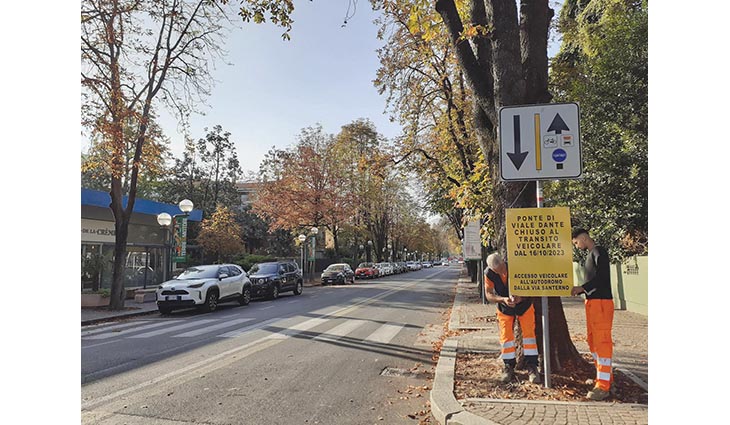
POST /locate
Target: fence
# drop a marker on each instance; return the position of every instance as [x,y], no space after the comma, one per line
[629,284]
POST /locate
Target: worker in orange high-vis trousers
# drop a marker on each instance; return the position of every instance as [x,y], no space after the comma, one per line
[599,311]
[509,308]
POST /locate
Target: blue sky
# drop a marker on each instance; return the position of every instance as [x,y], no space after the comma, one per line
[275,88]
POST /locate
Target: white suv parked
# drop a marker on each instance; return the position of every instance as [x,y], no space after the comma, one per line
[204,287]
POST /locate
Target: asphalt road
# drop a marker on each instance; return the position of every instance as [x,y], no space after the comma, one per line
[317,358]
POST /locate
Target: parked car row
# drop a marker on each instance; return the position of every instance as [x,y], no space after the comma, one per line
[206,286]
[374,270]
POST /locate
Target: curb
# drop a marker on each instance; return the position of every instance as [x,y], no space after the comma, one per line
[444,407]
[121,316]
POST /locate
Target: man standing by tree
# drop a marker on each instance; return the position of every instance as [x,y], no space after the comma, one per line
[599,311]
[509,308]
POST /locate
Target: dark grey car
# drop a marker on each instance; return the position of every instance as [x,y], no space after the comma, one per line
[272,278]
[338,273]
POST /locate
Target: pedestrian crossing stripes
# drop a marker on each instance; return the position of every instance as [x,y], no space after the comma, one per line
[238,332]
[298,328]
[209,329]
[128,331]
[340,330]
[385,333]
[278,328]
[173,329]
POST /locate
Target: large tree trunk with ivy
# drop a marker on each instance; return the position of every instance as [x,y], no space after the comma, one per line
[504,59]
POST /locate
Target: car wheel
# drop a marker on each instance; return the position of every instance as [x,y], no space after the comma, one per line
[298,289]
[165,310]
[274,292]
[211,301]
[245,296]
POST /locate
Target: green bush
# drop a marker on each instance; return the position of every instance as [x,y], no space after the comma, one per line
[248,260]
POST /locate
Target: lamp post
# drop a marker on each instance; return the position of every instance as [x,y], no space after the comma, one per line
[313,232]
[165,220]
[390,253]
[302,238]
[368,256]
[362,248]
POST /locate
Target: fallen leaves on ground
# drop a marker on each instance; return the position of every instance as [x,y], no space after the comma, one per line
[477,376]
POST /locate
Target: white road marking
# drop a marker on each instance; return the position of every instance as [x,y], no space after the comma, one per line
[173,329]
[100,329]
[340,330]
[238,332]
[211,328]
[385,333]
[128,331]
[298,328]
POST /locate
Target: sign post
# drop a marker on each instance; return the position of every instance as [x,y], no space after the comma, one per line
[180,242]
[540,142]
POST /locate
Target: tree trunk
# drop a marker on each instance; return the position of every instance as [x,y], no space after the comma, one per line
[562,349]
[121,230]
[507,67]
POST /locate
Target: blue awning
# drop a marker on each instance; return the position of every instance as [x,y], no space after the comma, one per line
[97,198]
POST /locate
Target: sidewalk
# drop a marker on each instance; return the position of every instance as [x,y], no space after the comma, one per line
[630,334]
[91,316]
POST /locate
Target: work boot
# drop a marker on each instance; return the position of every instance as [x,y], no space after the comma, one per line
[508,373]
[533,374]
[597,394]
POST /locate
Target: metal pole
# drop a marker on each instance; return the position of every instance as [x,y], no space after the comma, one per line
[545,314]
[480,280]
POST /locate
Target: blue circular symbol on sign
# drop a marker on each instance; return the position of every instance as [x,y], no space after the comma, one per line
[559,155]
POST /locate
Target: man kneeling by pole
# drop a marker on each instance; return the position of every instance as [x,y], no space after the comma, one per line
[509,308]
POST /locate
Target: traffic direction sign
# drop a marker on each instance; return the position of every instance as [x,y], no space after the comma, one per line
[540,142]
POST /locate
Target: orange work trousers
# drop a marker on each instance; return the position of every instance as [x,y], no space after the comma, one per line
[507,336]
[599,320]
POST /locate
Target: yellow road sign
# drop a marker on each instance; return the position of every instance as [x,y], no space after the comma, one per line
[539,251]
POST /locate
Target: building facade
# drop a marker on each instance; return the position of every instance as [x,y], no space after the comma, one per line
[148,247]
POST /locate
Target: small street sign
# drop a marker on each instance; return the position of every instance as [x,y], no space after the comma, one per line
[472,243]
[540,142]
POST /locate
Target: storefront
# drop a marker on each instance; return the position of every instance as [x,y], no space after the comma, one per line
[147,253]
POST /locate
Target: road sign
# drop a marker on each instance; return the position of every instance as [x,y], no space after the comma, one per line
[472,244]
[539,251]
[540,142]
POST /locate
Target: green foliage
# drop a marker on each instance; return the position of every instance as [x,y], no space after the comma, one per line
[206,174]
[603,66]
[248,260]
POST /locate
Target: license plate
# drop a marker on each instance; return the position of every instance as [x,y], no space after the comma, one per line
[167,298]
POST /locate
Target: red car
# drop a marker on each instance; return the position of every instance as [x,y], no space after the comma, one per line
[366,271]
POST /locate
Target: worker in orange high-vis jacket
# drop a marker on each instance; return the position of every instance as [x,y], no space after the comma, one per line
[599,311]
[509,308]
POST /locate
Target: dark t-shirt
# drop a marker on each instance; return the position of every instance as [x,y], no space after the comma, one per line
[598,274]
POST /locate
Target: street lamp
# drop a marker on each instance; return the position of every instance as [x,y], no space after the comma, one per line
[165,220]
[390,256]
[362,248]
[302,238]
[367,253]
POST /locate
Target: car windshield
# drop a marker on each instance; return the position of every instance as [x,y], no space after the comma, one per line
[199,272]
[336,267]
[364,265]
[265,268]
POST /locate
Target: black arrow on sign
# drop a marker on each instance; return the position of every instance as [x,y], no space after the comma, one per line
[558,125]
[518,157]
